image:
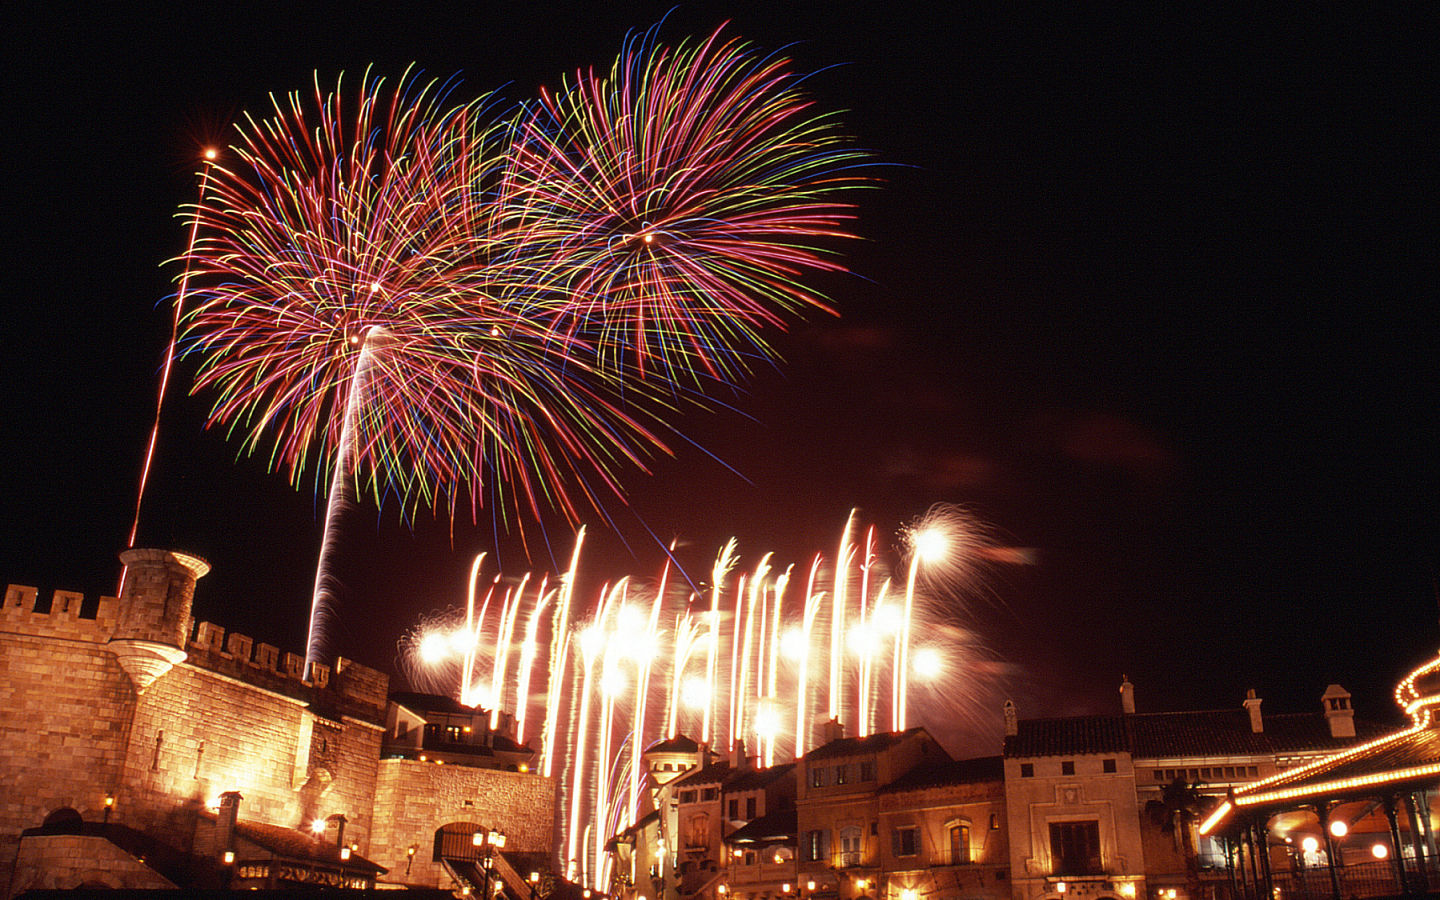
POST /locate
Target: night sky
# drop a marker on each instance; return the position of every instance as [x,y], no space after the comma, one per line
[1150,293]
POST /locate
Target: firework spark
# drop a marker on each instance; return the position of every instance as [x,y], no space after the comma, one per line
[625,672]
[677,201]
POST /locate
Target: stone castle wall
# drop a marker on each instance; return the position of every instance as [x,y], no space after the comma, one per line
[65,707]
[415,799]
[233,715]
[78,725]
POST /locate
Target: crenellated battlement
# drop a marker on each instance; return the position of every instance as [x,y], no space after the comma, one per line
[350,689]
[66,615]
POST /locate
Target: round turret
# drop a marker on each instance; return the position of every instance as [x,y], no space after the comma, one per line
[155,601]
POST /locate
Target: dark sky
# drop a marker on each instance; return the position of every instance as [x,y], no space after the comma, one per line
[1149,292]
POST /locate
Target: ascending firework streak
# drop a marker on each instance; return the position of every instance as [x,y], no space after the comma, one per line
[210,155]
[612,665]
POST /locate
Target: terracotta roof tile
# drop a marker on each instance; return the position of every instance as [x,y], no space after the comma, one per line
[1220,732]
[964,771]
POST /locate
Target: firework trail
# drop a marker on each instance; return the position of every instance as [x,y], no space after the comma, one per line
[770,645]
[210,155]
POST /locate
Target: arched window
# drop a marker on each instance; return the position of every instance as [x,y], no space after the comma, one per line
[957,833]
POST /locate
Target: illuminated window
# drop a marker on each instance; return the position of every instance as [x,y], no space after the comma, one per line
[905,841]
[698,832]
[959,845]
[842,774]
[817,776]
[817,845]
[850,846]
[1075,848]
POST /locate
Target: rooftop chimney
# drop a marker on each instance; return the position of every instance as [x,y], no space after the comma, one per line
[225,822]
[1338,713]
[1012,720]
[832,730]
[737,754]
[1252,706]
[1127,695]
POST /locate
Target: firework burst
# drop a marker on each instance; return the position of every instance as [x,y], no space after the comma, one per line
[367,225]
[677,201]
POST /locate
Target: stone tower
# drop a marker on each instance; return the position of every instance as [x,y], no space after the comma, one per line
[154,619]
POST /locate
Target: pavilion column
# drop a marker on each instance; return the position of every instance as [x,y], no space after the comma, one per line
[1254,863]
[1262,840]
[1430,848]
[1230,850]
[1417,842]
[1323,809]
[1397,850]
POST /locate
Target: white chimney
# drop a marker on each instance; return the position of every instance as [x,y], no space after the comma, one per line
[1127,695]
[1012,720]
[1338,713]
[1252,706]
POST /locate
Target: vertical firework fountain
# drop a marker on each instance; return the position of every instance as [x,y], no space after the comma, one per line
[623,666]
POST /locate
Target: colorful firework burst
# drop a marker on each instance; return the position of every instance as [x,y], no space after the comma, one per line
[677,201]
[369,227]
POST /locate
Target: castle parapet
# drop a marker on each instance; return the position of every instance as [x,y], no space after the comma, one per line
[65,615]
[350,689]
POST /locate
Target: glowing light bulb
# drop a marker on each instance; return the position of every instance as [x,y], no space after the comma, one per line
[1310,844]
[1379,851]
[1339,828]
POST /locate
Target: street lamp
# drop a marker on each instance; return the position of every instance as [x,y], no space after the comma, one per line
[409,859]
[491,841]
[534,884]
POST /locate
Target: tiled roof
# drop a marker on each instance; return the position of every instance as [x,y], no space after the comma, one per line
[965,771]
[423,703]
[292,844]
[757,779]
[871,743]
[678,744]
[1220,732]
[1069,736]
[775,827]
[715,773]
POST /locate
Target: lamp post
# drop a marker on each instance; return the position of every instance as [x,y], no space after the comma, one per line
[409,859]
[534,885]
[109,805]
[490,841]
